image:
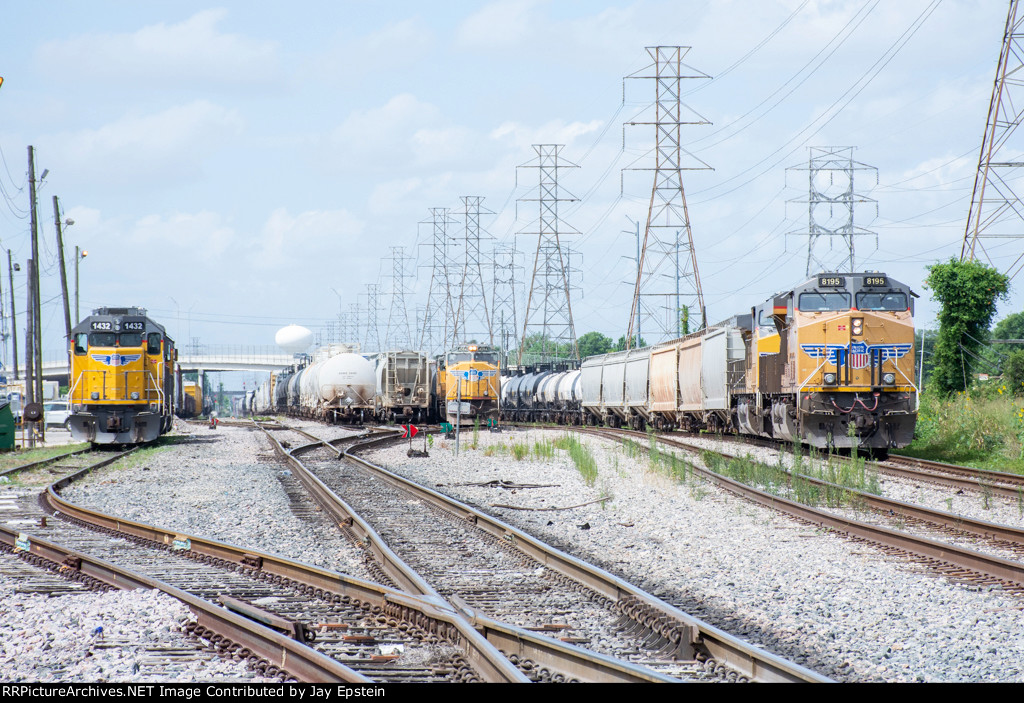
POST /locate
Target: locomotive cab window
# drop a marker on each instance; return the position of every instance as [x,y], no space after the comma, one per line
[824,302]
[882,301]
[102,339]
[129,339]
[153,343]
[81,343]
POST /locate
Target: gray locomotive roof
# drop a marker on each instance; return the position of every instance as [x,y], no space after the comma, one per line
[118,315]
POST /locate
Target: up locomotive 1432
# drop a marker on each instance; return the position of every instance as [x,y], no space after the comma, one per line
[122,378]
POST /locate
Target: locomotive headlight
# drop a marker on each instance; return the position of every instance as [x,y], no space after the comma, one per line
[858,326]
[830,378]
[888,378]
[135,395]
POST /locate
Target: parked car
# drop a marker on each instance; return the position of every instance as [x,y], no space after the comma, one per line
[56,413]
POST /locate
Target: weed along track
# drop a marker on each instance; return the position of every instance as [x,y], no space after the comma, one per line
[501,575]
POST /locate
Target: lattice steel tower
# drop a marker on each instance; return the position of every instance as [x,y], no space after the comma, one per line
[398,334]
[505,277]
[353,324]
[996,210]
[667,235]
[831,203]
[472,317]
[439,314]
[372,308]
[549,300]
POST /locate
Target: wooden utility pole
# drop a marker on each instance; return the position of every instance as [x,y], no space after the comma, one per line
[14,316]
[63,271]
[30,343]
[30,356]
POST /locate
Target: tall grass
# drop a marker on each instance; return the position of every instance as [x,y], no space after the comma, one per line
[581,457]
[983,428]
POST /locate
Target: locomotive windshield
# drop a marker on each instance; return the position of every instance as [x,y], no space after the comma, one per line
[882,301]
[112,339]
[824,302]
[488,357]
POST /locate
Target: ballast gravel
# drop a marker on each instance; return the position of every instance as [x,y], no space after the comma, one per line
[830,604]
[119,636]
[224,484]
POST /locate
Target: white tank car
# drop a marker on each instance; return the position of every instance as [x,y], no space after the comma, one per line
[346,384]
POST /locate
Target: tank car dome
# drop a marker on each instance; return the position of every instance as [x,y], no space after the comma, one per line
[294,339]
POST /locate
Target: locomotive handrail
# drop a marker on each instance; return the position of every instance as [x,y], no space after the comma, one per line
[149,386]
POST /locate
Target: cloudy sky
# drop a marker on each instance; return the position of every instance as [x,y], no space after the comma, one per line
[234,167]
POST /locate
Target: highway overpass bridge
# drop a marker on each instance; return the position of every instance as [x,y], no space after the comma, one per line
[203,358]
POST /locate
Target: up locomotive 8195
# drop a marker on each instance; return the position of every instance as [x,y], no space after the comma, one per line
[122,378]
[834,364]
[829,363]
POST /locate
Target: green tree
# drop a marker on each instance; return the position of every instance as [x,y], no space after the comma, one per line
[539,348]
[593,343]
[1013,371]
[967,292]
[637,343]
[1010,327]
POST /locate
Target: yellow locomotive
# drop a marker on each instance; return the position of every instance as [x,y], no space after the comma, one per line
[831,363]
[468,383]
[122,378]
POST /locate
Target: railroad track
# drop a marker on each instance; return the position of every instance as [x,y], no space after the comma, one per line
[961,477]
[956,562]
[533,586]
[362,632]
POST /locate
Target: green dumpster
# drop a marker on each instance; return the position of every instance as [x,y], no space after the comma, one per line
[6,427]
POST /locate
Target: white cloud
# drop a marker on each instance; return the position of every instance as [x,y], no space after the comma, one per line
[505,23]
[161,55]
[313,244]
[169,144]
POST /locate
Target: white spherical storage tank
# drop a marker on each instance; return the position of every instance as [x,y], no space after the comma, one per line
[294,339]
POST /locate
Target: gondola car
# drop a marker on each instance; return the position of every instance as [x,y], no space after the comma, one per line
[122,378]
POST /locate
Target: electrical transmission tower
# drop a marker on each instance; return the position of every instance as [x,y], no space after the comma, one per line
[472,318]
[667,235]
[996,211]
[398,334]
[354,328]
[505,277]
[548,303]
[372,331]
[831,202]
[439,314]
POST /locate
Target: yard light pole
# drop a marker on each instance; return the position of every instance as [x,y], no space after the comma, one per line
[79,255]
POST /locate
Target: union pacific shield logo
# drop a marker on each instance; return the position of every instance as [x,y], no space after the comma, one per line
[857,354]
[115,359]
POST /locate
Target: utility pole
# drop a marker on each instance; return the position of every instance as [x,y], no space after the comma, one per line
[63,270]
[14,317]
[36,346]
[30,357]
[667,212]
